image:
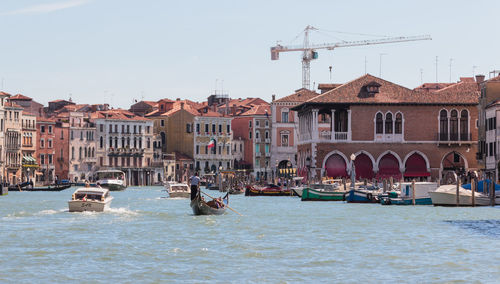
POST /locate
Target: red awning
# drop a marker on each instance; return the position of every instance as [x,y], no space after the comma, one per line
[416,166]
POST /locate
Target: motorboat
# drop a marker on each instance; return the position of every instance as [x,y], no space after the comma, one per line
[95,199]
[446,195]
[179,190]
[113,180]
[405,196]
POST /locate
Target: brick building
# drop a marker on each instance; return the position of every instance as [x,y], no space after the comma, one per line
[45,154]
[393,131]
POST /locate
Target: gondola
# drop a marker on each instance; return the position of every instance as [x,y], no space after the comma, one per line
[201,207]
[56,187]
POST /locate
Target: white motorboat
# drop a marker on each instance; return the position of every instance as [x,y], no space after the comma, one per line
[179,190]
[90,199]
[113,180]
[446,195]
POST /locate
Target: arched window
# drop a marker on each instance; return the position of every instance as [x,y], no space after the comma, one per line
[73,151]
[443,125]
[257,136]
[123,142]
[101,143]
[454,125]
[80,154]
[464,125]
[388,123]
[267,134]
[399,124]
[379,124]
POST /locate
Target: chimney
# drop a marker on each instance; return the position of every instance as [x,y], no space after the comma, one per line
[479,79]
[178,99]
[234,109]
[274,97]
[182,105]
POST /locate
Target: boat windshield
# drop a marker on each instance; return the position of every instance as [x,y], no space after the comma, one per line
[81,196]
[179,188]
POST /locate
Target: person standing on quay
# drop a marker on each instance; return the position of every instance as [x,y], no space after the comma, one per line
[194,181]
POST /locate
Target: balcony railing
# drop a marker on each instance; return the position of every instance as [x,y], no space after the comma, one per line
[125,152]
[268,154]
[454,137]
[325,135]
[268,140]
[341,135]
[257,154]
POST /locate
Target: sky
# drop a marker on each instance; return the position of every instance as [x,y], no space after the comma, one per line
[119,51]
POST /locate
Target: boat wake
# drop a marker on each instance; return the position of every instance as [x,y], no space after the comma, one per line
[51,212]
[122,211]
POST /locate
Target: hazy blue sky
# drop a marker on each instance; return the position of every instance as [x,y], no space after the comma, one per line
[116,51]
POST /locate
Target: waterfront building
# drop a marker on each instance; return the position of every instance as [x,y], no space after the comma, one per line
[125,142]
[284,130]
[169,166]
[489,118]
[12,136]
[239,153]
[143,107]
[3,100]
[28,104]
[60,144]
[82,147]
[28,146]
[392,131]
[254,128]
[157,163]
[45,132]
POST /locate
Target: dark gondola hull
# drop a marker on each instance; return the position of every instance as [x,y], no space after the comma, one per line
[200,207]
[41,188]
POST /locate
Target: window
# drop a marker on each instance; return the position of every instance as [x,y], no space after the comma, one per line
[250,124]
[128,128]
[220,128]
[399,124]
[206,127]
[197,149]
[71,135]
[257,123]
[197,127]
[80,154]
[101,142]
[42,159]
[62,135]
[267,123]
[267,148]
[72,153]
[464,125]
[284,115]
[443,125]
[267,134]
[140,129]
[101,127]
[81,135]
[454,125]
[49,156]
[42,128]
[50,128]
[188,128]
[257,148]
[213,128]
[388,123]
[257,136]
[135,129]
[206,149]
[228,128]
[42,143]
[379,124]
[250,134]
[49,143]
[284,139]
[241,148]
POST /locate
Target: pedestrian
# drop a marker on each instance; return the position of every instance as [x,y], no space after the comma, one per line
[194,181]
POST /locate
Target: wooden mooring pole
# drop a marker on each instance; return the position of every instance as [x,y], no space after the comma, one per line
[458,193]
[413,192]
[473,191]
[492,193]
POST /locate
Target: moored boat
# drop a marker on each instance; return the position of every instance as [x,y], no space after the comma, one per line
[53,187]
[113,180]
[269,190]
[309,194]
[179,190]
[213,207]
[360,195]
[90,199]
[446,195]
[405,197]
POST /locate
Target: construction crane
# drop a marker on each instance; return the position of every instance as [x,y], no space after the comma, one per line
[310,53]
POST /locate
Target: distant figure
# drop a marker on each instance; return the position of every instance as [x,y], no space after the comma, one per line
[98,185]
[194,181]
[87,184]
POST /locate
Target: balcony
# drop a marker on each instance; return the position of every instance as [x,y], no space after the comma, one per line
[268,154]
[125,152]
[268,140]
[453,138]
[257,154]
[342,136]
[325,135]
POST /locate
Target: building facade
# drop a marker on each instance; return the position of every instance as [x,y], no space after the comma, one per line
[125,142]
[28,146]
[390,131]
[45,155]
[12,143]
[82,147]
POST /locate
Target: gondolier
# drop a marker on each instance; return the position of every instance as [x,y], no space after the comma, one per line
[194,181]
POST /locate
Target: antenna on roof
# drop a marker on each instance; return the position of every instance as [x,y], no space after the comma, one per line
[70,99]
[474,70]
[421,76]
[330,68]
[451,60]
[436,69]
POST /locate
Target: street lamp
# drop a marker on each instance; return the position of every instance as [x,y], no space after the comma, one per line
[353,170]
[308,165]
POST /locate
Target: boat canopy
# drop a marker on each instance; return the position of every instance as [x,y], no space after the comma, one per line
[480,185]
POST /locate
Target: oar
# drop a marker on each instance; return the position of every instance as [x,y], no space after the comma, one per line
[224,204]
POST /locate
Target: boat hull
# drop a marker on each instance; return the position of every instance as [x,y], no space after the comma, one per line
[450,199]
[309,194]
[43,188]
[297,191]
[113,186]
[200,207]
[251,191]
[406,201]
[93,206]
[360,196]
[179,194]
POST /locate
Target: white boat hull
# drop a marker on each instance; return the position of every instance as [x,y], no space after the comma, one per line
[112,184]
[89,205]
[298,190]
[450,199]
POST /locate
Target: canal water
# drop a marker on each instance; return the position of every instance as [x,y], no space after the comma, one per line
[148,238]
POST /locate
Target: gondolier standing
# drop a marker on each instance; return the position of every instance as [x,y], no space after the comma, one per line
[194,181]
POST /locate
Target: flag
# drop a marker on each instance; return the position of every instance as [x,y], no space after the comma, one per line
[211,143]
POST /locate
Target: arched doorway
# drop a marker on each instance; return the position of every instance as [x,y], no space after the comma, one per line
[336,166]
[388,166]
[452,163]
[416,167]
[364,167]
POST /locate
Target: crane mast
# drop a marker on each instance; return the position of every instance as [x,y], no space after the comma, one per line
[309,50]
